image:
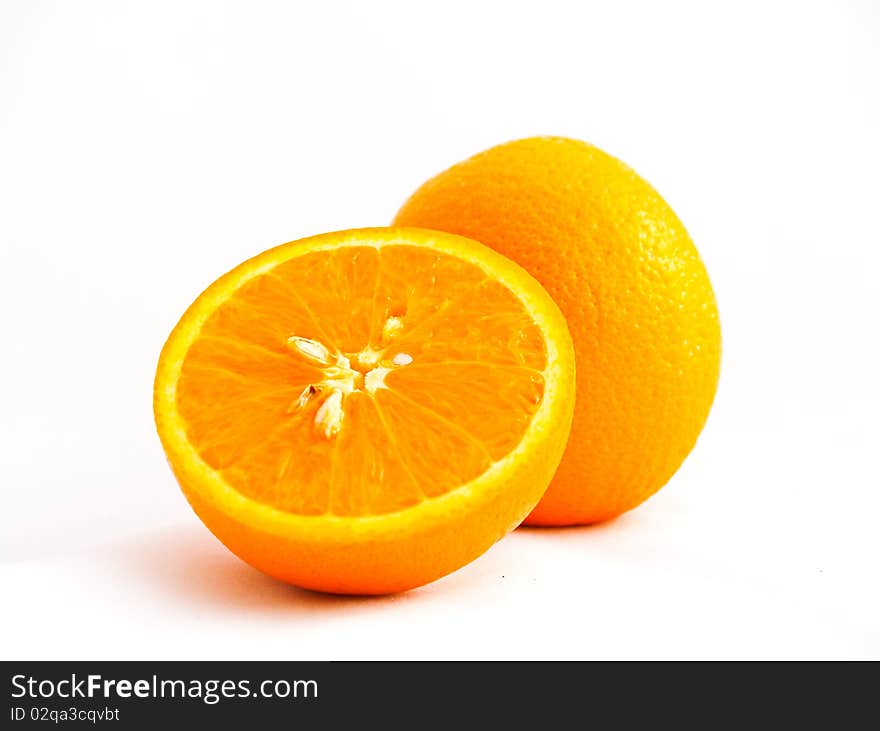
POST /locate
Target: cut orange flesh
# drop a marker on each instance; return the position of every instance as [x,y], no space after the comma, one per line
[366,411]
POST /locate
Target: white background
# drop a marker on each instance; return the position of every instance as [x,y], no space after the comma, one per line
[146,148]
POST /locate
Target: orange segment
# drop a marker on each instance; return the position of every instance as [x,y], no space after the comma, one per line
[484,324]
[369,475]
[426,441]
[330,283]
[262,313]
[413,286]
[270,472]
[363,389]
[494,404]
[211,402]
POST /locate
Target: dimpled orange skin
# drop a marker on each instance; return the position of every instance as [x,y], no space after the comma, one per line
[637,298]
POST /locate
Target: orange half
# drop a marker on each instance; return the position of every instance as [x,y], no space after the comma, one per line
[368,410]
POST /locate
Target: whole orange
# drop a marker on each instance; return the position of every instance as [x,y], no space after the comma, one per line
[625,273]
